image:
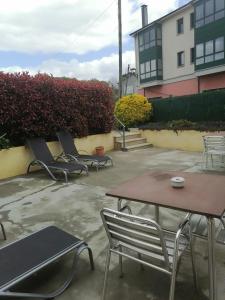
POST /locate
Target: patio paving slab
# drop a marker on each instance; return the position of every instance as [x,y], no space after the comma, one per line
[29,203]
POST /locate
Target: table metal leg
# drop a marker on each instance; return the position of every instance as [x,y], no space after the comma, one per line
[157,214]
[119,204]
[211,260]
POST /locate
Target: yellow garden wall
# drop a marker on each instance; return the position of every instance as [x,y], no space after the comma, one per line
[14,161]
[189,140]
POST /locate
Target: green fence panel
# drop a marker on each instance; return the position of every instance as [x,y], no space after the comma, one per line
[206,106]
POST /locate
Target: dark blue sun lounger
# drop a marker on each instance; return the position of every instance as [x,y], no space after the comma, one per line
[44,159]
[71,153]
[22,258]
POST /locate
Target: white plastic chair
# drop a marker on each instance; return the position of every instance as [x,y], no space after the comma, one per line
[143,241]
[213,145]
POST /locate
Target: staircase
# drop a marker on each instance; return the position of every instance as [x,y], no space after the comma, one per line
[133,141]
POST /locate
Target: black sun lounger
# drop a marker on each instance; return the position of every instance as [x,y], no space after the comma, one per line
[71,153]
[44,158]
[22,258]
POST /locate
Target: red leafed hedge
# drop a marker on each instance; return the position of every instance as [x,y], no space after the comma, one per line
[40,105]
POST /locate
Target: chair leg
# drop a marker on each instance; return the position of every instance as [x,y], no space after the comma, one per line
[223,221]
[173,283]
[141,265]
[91,258]
[87,171]
[108,257]
[207,159]
[3,231]
[121,262]
[112,163]
[203,162]
[211,156]
[193,261]
[66,177]
[174,274]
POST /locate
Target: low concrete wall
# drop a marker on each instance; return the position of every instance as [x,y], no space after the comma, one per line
[14,161]
[188,140]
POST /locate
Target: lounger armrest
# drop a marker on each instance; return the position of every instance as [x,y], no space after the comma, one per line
[83,151]
[67,157]
[37,162]
[71,157]
[61,157]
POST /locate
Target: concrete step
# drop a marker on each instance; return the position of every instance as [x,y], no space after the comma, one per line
[130,142]
[139,146]
[128,136]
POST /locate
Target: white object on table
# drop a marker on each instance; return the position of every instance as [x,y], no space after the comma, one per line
[177,182]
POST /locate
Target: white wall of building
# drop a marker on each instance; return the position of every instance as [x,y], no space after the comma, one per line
[172,43]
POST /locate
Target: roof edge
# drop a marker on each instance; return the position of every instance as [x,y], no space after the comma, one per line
[164,17]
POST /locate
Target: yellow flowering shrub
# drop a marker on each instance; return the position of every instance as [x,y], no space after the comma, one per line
[133,109]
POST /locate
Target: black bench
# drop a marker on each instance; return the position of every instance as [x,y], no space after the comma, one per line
[26,256]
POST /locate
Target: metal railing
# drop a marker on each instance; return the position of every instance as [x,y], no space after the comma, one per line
[122,133]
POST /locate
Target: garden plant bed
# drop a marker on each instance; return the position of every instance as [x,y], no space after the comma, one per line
[184,125]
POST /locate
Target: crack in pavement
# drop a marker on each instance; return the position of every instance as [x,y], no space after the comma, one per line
[22,198]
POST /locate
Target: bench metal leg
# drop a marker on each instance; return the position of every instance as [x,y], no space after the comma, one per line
[82,247]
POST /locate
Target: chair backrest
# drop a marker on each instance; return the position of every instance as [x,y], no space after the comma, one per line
[141,235]
[214,142]
[40,149]
[67,142]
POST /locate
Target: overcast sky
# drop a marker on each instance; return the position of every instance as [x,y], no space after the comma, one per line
[73,38]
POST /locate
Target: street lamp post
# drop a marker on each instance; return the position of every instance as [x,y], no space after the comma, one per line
[120,46]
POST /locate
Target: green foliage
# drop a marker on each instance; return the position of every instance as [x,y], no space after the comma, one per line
[208,106]
[4,142]
[185,125]
[133,110]
[179,124]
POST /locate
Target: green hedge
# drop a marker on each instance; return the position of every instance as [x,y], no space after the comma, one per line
[206,106]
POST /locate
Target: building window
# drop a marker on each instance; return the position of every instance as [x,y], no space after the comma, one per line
[199,15]
[180,25]
[192,20]
[219,48]
[159,36]
[180,59]
[150,38]
[209,11]
[199,54]
[146,40]
[219,9]
[141,42]
[192,55]
[159,67]
[148,69]
[210,51]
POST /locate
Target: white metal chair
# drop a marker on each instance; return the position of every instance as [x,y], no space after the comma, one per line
[143,241]
[198,226]
[213,145]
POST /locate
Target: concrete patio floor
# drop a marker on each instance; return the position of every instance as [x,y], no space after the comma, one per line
[29,203]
